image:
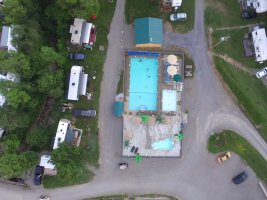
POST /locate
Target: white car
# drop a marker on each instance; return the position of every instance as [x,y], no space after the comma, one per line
[178,17]
[261,72]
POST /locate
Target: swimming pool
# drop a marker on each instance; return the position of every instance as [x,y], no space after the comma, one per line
[166,144]
[143,84]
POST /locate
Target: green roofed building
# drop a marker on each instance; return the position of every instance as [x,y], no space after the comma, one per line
[148,32]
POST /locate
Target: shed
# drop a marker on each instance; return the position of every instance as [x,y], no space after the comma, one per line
[118,108]
[49,168]
[148,32]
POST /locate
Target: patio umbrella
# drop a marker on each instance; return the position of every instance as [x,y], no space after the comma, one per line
[172,70]
[177,78]
[138,158]
[172,59]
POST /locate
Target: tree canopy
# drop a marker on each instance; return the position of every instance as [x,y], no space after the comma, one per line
[14,165]
[68,160]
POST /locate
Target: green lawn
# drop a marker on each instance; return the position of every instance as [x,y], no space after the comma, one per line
[226,13]
[140,8]
[250,92]
[228,140]
[235,40]
[51,182]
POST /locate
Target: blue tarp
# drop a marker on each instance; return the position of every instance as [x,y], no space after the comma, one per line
[118,108]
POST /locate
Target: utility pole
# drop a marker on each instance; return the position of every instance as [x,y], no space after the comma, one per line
[223,39]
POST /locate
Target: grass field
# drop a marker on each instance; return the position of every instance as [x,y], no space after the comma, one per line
[226,13]
[50,182]
[139,8]
[250,92]
[228,140]
[233,47]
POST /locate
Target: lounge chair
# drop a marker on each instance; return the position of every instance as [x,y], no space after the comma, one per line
[132,149]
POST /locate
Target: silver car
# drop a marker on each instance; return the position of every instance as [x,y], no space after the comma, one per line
[261,72]
[178,17]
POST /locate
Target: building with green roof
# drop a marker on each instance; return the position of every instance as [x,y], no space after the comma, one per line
[148,32]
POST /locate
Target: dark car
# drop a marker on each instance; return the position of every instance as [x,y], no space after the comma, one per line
[77,56]
[38,175]
[240,177]
[248,15]
[84,113]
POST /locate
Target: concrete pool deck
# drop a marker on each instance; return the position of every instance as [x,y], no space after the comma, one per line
[143,135]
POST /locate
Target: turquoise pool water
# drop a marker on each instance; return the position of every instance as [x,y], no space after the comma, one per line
[166,144]
[143,84]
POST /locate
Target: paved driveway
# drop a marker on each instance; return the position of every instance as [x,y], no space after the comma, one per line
[194,176]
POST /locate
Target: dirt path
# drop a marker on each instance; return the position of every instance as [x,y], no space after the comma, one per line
[235,63]
[235,27]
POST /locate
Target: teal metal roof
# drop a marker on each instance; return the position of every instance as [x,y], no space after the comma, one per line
[118,108]
[148,31]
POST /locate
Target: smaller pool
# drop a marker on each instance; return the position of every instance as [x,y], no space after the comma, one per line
[166,144]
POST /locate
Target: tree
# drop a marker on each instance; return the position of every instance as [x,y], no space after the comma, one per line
[68,160]
[14,165]
[81,8]
[17,63]
[49,56]
[28,36]
[11,118]
[51,83]
[11,144]
[14,11]
[37,137]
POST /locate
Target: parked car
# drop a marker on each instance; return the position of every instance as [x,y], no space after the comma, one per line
[248,15]
[261,72]
[44,197]
[223,157]
[178,17]
[38,175]
[84,113]
[77,56]
[123,165]
[240,177]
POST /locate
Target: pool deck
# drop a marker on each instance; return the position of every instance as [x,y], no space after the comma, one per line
[143,135]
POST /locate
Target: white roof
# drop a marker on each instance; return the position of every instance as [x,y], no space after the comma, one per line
[6,39]
[169,100]
[86,32]
[1,131]
[260,44]
[176,3]
[61,132]
[77,83]
[45,162]
[259,5]
[76,30]
[10,77]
